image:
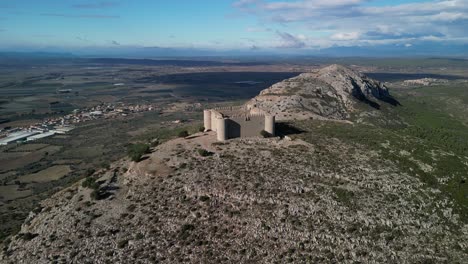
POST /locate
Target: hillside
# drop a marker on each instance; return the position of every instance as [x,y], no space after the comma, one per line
[389,186]
[327,93]
[316,202]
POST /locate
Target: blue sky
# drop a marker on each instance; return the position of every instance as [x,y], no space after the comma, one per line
[273,25]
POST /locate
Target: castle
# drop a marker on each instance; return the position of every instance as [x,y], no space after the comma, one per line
[235,122]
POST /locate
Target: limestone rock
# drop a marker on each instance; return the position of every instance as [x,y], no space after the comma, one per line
[328,93]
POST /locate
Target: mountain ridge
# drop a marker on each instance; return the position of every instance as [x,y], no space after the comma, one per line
[331,92]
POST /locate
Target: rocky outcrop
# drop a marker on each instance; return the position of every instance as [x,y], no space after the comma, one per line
[425,82]
[332,92]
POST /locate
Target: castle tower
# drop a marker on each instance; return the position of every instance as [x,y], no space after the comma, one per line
[207,119]
[213,120]
[221,131]
[270,124]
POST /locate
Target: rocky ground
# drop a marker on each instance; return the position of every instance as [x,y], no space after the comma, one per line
[246,201]
[327,93]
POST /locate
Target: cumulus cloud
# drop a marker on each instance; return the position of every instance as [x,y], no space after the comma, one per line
[358,22]
[312,4]
[449,16]
[346,36]
[245,3]
[289,41]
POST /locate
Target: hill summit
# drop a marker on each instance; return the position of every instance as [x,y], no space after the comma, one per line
[331,92]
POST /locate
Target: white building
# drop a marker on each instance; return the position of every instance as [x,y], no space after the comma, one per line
[17,136]
[40,136]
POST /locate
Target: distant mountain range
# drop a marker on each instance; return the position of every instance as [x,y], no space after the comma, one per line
[416,49]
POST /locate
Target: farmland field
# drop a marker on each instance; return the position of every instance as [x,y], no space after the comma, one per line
[12,192]
[28,147]
[50,174]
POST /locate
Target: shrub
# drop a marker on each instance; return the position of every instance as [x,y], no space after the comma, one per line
[204,153]
[105,165]
[27,236]
[90,171]
[122,243]
[185,231]
[183,133]
[131,207]
[204,198]
[265,134]
[136,151]
[201,129]
[155,143]
[90,182]
[96,194]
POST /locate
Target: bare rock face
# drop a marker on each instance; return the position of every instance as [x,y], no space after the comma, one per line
[328,93]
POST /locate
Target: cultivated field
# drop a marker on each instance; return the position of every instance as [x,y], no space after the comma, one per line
[47,175]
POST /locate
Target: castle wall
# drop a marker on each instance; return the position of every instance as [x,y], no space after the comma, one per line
[245,127]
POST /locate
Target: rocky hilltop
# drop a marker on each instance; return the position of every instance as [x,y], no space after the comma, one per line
[328,93]
[316,203]
[307,198]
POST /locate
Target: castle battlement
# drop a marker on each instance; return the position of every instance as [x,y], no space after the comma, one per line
[230,108]
[237,121]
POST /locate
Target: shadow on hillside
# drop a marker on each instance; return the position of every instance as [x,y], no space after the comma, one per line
[143,158]
[283,129]
[390,100]
[378,93]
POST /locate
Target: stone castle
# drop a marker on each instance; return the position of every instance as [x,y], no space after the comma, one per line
[235,122]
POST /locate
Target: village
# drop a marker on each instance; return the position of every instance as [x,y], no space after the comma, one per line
[61,125]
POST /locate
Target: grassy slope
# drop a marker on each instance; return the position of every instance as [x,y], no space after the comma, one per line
[427,137]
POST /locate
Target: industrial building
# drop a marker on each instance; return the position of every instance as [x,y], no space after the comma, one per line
[17,136]
[62,129]
[41,136]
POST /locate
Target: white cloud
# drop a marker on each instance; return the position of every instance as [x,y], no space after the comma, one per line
[311,4]
[345,36]
[301,37]
[448,16]
[351,22]
[289,41]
